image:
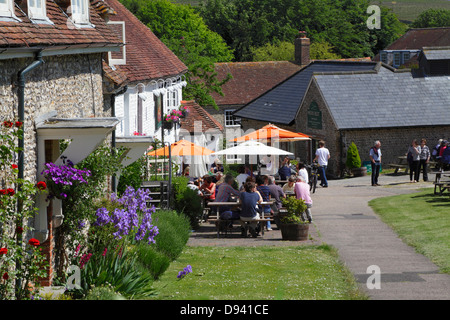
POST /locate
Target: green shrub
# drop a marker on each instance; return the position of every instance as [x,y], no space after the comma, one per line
[353,159]
[132,175]
[186,200]
[174,232]
[151,260]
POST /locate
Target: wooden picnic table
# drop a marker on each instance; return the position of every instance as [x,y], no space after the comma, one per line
[236,204]
[440,184]
[402,164]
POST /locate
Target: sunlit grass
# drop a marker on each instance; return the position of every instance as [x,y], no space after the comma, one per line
[259,273]
[422,220]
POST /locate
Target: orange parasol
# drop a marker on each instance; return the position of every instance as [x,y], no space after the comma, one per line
[271,131]
[181,148]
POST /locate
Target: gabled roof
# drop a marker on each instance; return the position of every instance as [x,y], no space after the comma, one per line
[147,57]
[423,37]
[436,53]
[250,79]
[197,113]
[386,98]
[61,34]
[281,103]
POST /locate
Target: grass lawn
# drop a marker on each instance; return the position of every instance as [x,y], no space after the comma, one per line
[408,10]
[259,273]
[422,220]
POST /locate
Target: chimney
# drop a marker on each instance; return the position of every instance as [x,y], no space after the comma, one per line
[301,44]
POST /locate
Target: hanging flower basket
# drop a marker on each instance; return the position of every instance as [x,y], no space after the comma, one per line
[168,125]
[184,111]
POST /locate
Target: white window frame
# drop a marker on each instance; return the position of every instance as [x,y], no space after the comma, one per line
[229,119]
[384,57]
[7,10]
[172,99]
[38,13]
[78,17]
[397,57]
[124,51]
[406,56]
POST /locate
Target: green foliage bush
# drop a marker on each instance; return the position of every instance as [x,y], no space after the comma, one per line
[295,208]
[174,232]
[353,158]
[186,200]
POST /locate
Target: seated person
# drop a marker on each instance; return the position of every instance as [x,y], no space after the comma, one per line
[249,213]
[208,188]
[263,188]
[225,191]
[289,186]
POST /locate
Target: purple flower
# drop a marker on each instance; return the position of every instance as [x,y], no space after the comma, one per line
[186,270]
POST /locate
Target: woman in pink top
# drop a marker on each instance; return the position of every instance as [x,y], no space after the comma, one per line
[301,190]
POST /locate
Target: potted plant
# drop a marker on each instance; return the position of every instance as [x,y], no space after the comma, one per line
[293,225]
[354,161]
[171,118]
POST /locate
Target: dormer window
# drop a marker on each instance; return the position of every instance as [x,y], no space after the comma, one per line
[80,11]
[6,8]
[37,10]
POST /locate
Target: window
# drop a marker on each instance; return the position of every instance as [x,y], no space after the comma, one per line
[6,8]
[230,119]
[118,57]
[397,59]
[80,11]
[36,9]
[406,56]
[383,57]
[172,99]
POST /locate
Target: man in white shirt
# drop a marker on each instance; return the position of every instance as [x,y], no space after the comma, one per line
[322,156]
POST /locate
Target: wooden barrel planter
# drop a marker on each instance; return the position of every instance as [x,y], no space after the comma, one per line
[294,231]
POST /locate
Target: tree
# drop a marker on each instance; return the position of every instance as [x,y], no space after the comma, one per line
[185,33]
[246,24]
[432,18]
[285,51]
[353,158]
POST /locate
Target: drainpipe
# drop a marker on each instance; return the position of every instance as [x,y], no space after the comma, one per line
[21,112]
[21,109]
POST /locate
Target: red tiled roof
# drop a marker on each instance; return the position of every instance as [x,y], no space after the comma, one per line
[147,57]
[197,113]
[15,34]
[419,38]
[250,79]
[117,77]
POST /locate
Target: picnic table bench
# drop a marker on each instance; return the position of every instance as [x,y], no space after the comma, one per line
[402,164]
[222,225]
[441,185]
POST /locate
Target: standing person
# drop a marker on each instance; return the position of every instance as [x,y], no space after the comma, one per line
[413,157]
[301,189]
[375,158]
[322,157]
[263,189]
[424,159]
[285,169]
[249,200]
[436,148]
[242,176]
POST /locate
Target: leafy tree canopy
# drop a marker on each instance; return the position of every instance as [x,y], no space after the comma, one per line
[432,18]
[247,24]
[185,33]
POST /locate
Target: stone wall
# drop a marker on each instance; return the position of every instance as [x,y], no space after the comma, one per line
[71,85]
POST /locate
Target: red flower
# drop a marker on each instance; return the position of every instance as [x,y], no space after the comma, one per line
[3,251]
[10,191]
[8,124]
[18,124]
[5,276]
[14,166]
[41,185]
[19,230]
[3,191]
[34,242]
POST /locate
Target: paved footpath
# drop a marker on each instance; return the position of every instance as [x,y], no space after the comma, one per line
[343,219]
